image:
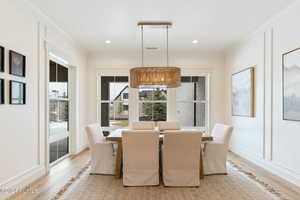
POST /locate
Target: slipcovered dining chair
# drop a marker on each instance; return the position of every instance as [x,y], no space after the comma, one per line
[102,152]
[181,158]
[171,125]
[140,158]
[215,152]
[143,125]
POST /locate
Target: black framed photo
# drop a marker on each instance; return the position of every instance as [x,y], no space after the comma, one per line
[2,99]
[2,58]
[291,85]
[17,64]
[17,93]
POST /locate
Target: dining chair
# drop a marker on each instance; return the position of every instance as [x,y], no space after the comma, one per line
[171,125]
[102,152]
[143,125]
[215,152]
[181,158]
[140,157]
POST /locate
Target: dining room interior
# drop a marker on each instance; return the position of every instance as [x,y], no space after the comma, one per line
[149,100]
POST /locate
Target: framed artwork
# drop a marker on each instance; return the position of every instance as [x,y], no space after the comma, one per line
[243,93]
[291,85]
[17,64]
[2,59]
[17,93]
[2,99]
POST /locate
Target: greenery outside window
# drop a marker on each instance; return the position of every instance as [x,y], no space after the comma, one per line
[153,104]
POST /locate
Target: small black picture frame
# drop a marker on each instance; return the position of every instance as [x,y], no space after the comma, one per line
[17,64]
[2,57]
[17,93]
[2,91]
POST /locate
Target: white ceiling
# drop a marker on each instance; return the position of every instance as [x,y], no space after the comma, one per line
[216,24]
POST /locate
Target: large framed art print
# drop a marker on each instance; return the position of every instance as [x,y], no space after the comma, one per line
[243,93]
[291,85]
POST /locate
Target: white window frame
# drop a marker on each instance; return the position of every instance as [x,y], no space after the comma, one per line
[64,63]
[206,101]
[100,101]
[133,100]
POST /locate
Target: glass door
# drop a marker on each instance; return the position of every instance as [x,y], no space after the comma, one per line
[58,112]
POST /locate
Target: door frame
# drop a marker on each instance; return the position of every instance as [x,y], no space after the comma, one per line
[72,90]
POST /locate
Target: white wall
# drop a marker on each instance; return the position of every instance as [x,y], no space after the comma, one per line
[212,63]
[267,139]
[22,128]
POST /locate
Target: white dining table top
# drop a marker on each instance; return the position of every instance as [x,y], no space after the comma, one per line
[118,132]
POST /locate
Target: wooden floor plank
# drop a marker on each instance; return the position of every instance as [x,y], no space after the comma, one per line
[58,176]
[286,188]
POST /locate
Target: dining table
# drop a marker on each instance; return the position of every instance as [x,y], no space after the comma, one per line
[116,136]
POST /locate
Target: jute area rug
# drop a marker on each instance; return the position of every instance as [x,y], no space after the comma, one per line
[237,185]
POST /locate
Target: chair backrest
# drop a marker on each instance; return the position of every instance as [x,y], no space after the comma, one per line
[94,133]
[140,156]
[181,144]
[173,125]
[143,125]
[181,157]
[222,133]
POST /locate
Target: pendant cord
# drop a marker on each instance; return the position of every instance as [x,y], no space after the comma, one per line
[142,35]
[167,46]
[142,38]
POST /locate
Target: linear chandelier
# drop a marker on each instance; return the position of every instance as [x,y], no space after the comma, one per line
[160,75]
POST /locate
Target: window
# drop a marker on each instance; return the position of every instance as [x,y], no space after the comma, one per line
[191,101]
[188,103]
[58,111]
[58,85]
[153,104]
[114,107]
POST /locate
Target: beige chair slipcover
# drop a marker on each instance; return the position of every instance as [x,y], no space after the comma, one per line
[172,125]
[143,125]
[215,154]
[102,152]
[181,158]
[140,157]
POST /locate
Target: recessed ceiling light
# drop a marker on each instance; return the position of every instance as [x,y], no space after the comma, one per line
[107,41]
[195,41]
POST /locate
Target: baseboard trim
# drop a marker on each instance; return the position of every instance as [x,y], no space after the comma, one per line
[270,166]
[81,149]
[19,183]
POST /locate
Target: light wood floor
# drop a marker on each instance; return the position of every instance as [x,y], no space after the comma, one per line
[60,174]
[289,190]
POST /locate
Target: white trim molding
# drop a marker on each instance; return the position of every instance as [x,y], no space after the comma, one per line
[19,182]
[270,166]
